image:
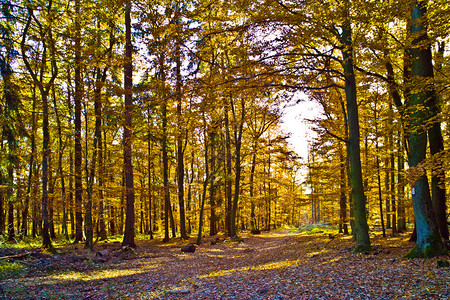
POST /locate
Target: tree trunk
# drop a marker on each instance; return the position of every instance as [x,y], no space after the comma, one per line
[60,167]
[180,151]
[237,168]
[2,215]
[343,228]
[438,173]
[128,238]
[359,199]
[149,172]
[31,166]
[429,241]
[205,185]
[47,40]
[101,172]
[228,178]
[77,122]
[253,225]
[213,186]
[51,197]
[46,241]
[167,208]
[11,231]
[401,221]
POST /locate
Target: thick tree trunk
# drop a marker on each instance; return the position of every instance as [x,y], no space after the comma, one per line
[359,199]
[438,197]
[429,241]
[128,238]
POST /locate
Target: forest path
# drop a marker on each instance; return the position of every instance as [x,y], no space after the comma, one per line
[283,264]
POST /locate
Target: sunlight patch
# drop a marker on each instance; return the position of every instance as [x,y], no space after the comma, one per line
[268,266]
[103,274]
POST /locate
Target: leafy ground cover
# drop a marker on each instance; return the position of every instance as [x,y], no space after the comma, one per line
[285,264]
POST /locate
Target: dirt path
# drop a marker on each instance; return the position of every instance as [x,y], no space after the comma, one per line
[278,265]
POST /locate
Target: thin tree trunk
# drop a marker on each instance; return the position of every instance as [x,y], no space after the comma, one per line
[77,122]
[205,185]
[167,208]
[237,171]
[180,150]
[51,197]
[60,168]
[2,215]
[343,228]
[401,226]
[149,174]
[128,238]
[213,186]
[380,198]
[11,231]
[31,165]
[228,178]
[253,225]
[44,89]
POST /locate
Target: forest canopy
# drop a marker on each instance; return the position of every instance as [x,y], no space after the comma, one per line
[163,118]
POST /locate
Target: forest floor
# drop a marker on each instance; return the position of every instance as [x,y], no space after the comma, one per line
[284,264]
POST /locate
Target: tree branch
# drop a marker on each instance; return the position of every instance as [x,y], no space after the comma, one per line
[335,136]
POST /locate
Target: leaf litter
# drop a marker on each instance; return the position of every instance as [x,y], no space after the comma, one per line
[272,265]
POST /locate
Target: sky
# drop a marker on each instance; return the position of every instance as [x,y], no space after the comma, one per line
[295,121]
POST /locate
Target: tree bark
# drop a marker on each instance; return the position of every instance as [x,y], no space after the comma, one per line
[128,238]
[429,241]
[228,175]
[359,198]
[78,160]
[237,168]
[180,150]
[436,140]
[205,184]
[31,166]
[343,228]
[213,185]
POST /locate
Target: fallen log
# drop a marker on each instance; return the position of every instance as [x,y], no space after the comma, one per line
[18,256]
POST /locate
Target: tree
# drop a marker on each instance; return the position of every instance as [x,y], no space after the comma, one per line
[429,241]
[128,238]
[46,38]
[78,95]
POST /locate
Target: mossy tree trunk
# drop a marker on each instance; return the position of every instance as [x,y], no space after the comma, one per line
[429,241]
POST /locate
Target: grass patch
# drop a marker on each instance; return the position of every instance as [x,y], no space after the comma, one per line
[318,228]
[10,269]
